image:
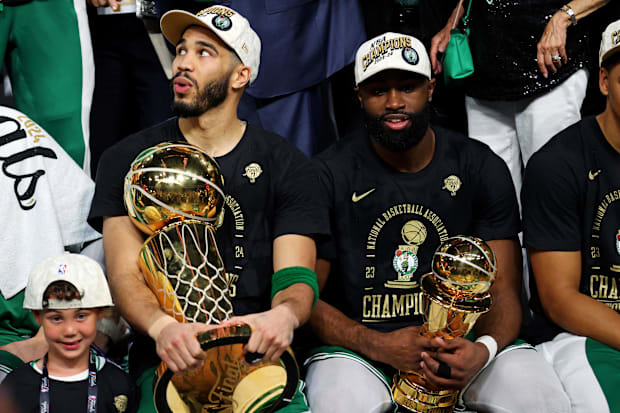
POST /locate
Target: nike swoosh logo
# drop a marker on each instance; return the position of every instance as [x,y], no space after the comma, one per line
[593,175]
[357,198]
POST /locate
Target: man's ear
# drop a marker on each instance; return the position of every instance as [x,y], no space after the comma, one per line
[603,81]
[431,88]
[359,96]
[240,77]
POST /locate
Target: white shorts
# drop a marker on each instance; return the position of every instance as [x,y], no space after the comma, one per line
[518,380]
[588,370]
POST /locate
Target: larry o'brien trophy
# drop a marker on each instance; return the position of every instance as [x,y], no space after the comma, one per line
[455,294]
[173,192]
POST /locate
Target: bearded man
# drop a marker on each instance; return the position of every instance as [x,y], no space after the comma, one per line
[393,194]
[270,214]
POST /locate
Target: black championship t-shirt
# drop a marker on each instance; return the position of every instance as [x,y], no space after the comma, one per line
[570,195]
[116,392]
[279,199]
[386,224]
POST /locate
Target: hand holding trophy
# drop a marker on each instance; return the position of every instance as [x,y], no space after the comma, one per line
[455,295]
[174,194]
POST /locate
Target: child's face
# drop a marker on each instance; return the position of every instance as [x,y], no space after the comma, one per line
[69,333]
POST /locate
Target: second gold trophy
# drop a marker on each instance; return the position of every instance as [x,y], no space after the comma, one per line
[455,294]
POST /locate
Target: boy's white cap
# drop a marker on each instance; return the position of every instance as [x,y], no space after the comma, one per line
[391,51]
[231,27]
[81,271]
[610,43]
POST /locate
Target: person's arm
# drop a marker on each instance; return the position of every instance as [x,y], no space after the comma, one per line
[288,251]
[176,342]
[502,322]
[30,349]
[400,348]
[440,41]
[553,40]
[272,330]
[558,274]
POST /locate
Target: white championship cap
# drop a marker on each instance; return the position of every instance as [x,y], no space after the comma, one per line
[391,51]
[610,43]
[231,27]
[81,271]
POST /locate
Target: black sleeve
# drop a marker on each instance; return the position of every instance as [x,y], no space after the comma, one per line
[21,388]
[296,192]
[134,400]
[108,198]
[550,199]
[326,247]
[496,211]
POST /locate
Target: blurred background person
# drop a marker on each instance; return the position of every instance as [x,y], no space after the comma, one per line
[132,90]
[47,50]
[530,75]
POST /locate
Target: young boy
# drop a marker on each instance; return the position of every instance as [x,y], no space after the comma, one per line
[67,295]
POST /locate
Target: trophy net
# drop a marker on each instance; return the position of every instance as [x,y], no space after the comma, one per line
[184,269]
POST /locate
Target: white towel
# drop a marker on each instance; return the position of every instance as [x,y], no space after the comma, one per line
[44,198]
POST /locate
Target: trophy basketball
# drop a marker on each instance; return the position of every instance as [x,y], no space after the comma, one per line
[174,194]
[455,295]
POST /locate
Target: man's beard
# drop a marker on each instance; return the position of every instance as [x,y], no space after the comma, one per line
[399,140]
[210,96]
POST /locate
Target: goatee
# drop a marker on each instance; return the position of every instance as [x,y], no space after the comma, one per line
[210,96]
[399,140]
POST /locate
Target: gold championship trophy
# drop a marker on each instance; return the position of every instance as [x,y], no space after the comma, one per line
[455,295]
[174,193]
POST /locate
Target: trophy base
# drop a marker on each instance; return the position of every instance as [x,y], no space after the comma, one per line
[225,382]
[405,285]
[414,397]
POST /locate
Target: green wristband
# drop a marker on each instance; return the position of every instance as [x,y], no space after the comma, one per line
[286,277]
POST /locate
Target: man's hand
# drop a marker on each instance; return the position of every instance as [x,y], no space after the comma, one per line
[464,357]
[272,331]
[104,3]
[177,345]
[551,49]
[400,348]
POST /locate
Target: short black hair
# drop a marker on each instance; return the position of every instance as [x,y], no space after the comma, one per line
[236,60]
[611,61]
